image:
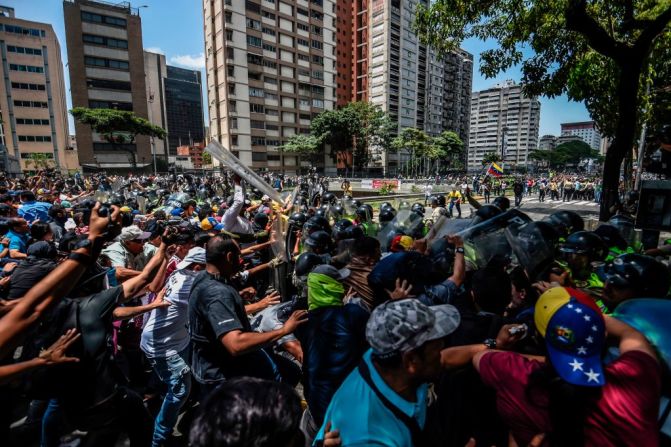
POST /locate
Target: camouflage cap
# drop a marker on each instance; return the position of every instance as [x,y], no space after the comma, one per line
[399,326]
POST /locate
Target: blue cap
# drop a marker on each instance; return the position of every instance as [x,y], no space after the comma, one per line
[177,212]
[575,337]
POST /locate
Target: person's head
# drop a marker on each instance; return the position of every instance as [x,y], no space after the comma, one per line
[190,207]
[580,250]
[58,214]
[201,238]
[41,231]
[194,260]
[27,196]
[223,253]
[635,276]
[406,337]
[367,249]
[523,293]
[7,199]
[325,287]
[245,412]
[43,250]
[133,238]
[491,289]
[18,225]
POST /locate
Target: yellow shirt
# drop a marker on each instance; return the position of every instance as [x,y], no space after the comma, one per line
[454,195]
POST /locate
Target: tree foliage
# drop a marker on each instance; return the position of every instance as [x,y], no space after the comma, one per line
[491,157]
[450,146]
[40,161]
[569,153]
[356,128]
[117,126]
[302,144]
[602,52]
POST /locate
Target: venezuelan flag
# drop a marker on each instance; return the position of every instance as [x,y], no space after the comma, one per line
[495,170]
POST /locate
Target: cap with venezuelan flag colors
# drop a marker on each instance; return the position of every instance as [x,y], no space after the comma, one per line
[574,332]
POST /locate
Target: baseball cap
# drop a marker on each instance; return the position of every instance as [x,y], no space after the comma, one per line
[574,332]
[332,272]
[133,233]
[177,212]
[399,326]
[195,256]
[401,243]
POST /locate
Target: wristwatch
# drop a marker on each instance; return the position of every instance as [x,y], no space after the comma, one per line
[490,343]
[459,250]
[80,257]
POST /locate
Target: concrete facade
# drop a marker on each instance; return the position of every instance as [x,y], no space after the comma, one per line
[106,62]
[587,131]
[155,70]
[271,66]
[505,121]
[34,111]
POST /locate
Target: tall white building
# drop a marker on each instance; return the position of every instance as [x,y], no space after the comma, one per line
[586,130]
[505,121]
[397,71]
[271,67]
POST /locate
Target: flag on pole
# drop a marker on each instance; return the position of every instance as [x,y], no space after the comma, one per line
[495,170]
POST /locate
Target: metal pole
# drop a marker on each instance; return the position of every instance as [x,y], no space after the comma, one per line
[641,147]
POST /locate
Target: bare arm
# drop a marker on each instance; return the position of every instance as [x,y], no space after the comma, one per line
[126,313]
[629,338]
[16,254]
[159,278]
[134,285]
[54,286]
[238,342]
[249,250]
[459,261]
[123,273]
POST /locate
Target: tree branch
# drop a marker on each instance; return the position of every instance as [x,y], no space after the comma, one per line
[578,20]
[653,30]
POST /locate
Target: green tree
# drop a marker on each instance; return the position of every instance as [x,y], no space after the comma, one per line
[355,128]
[302,144]
[207,158]
[40,161]
[602,52]
[570,153]
[451,148]
[491,157]
[117,126]
[418,145]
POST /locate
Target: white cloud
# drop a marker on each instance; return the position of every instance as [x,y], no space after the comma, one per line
[155,50]
[196,62]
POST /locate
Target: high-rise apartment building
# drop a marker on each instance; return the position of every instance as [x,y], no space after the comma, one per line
[156,70]
[397,70]
[184,107]
[352,51]
[547,143]
[34,111]
[586,130]
[448,95]
[106,63]
[271,67]
[503,120]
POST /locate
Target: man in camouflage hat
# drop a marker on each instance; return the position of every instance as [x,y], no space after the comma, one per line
[384,400]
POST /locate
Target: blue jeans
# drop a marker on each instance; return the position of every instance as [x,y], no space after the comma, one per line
[175,372]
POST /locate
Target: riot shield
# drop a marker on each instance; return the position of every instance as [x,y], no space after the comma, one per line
[530,248]
[226,157]
[486,240]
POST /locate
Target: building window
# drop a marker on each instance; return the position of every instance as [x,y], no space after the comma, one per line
[251,6]
[258,141]
[317,44]
[316,15]
[318,74]
[319,60]
[24,50]
[270,80]
[231,70]
[24,31]
[259,156]
[272,112]
[28,68]
[106,20]
[302,26]
[253,24]
[229,34]
[303,12]
[34,139]
[254,41]
[268,15]
[231,89]
[234,140]
[256,124]
[268,47]
[105,41]
[108,84]
[303,57]
[272,127]
[127,106]
[228,16]
[302,42]
[256,92]
[314,29]
[32,121]
[35,104]
[29,155]
[106,63]
[268,31]
[271,96]
[269,64]
[26,86]
[254,59]
[230,53]
[234,123]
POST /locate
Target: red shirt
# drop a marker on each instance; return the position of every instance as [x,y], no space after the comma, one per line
[624,415]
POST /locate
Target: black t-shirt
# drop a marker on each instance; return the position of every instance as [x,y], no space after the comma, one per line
[215,309]
[27,273]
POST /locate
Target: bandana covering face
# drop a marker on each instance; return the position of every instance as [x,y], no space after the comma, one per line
[324,291]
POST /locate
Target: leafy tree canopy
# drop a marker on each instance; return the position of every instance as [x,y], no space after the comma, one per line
[569,153]
[302,144]
[491,157]
[117,126]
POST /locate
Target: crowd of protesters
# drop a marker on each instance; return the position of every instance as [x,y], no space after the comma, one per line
[195,310]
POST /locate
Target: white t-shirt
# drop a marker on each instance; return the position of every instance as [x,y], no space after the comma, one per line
[167,330]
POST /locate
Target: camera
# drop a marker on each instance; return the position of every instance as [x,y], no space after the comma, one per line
[86,206]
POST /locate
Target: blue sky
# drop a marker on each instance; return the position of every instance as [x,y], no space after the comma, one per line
[174,28]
